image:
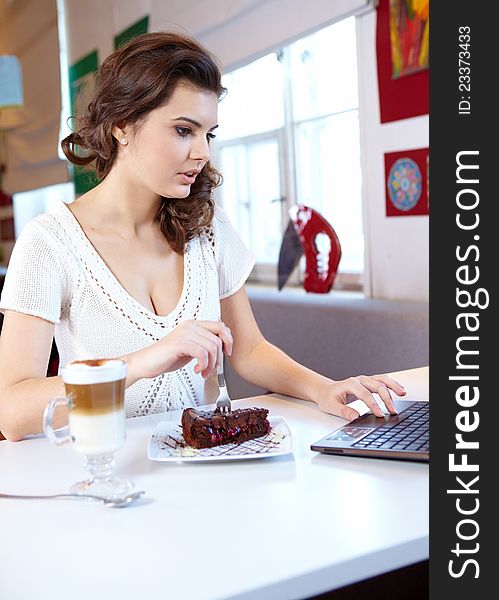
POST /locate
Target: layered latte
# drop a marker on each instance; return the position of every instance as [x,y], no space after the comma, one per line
[97,416]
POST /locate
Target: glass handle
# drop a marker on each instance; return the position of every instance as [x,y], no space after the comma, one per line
[61,436]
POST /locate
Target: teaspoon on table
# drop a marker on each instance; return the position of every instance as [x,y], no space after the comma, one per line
[111,502]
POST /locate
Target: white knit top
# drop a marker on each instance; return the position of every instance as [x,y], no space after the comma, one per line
[55,273]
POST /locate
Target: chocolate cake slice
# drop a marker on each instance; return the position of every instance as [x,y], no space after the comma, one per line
[205,429]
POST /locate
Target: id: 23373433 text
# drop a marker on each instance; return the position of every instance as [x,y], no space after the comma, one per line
[464,70]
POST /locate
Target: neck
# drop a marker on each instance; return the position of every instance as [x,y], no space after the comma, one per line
[125,203]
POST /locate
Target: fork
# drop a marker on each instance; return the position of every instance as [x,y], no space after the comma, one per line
[223,400]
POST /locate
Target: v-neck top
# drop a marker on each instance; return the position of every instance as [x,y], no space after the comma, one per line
[56,273]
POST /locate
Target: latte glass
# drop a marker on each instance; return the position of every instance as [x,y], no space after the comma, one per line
[95,392]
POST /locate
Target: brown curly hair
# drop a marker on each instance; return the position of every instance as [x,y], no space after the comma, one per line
[134,80]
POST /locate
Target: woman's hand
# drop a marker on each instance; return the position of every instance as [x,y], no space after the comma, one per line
[332,396]
[204,341]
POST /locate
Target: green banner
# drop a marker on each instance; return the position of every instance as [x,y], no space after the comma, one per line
[134,30]
[82,85]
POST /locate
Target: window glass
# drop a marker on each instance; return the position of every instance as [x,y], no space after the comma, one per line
[251,196]
[324,71]
[254,102]
[329,180]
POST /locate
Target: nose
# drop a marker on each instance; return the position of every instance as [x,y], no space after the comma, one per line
[201,151]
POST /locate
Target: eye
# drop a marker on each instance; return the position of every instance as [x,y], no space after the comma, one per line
[211,136]
[183,131]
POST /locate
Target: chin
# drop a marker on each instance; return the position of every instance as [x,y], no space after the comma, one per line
[179,193]
[183,191]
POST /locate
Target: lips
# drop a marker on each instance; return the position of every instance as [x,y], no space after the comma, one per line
[189,177]
[186,179]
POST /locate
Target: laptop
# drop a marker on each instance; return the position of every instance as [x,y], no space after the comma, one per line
[404,436]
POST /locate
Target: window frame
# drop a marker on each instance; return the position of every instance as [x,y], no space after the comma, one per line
[266,273]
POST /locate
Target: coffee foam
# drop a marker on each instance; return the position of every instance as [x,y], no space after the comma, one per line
[83,372]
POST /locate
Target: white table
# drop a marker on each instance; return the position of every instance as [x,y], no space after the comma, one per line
[277,528]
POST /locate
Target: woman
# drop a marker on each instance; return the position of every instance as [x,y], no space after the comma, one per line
[144,266]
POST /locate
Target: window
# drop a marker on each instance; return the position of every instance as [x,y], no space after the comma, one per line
[289,134]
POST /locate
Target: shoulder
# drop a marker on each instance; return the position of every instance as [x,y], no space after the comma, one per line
[39,274]
[46,229]
[44,240]
[220,216]
[222,228]
[214,230]
[233,259]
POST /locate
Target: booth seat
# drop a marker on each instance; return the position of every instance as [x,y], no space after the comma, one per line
[334,334]
[338,335]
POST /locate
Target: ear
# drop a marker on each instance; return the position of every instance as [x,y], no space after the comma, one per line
[120,131]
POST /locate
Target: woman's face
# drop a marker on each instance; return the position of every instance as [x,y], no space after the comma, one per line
[172,144]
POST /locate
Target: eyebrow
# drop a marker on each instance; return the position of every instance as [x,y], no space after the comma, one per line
[196,123]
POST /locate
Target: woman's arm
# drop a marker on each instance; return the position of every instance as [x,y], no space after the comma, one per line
[25,390]
[264,365]
[25,346]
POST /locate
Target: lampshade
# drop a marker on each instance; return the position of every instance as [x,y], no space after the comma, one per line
[11,82]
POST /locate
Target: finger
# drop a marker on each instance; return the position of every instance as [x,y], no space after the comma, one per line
[228,341]
[337,408]
[347,413]
[220,353]
[199,353]
[380,388]
[391,384]
[225,335]
[212,349]
[365,395]
[220,356]
[199,348]
[220,329]
[213,344]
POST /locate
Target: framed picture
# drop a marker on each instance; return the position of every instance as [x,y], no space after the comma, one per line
[406,94]
[409,36]
[406,183]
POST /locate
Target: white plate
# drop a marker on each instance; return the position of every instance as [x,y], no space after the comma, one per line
[167,444]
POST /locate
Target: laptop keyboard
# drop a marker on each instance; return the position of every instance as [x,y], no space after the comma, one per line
[411,434]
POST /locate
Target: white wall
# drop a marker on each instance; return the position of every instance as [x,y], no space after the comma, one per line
[397,248]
